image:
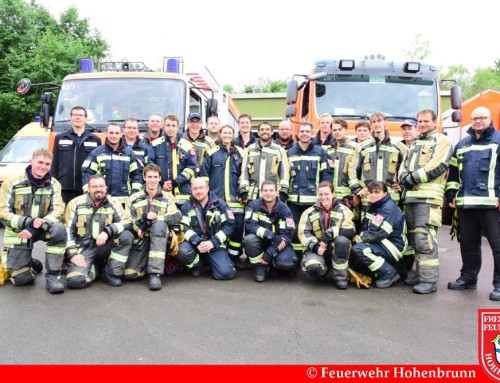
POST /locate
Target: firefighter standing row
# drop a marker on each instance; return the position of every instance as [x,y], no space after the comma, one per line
[418,172]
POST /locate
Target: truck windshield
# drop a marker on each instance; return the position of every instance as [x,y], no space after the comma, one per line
[358,95]
[20,149]
[115,99]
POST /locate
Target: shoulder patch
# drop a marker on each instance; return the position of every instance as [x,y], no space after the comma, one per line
[290,222]
[378,219]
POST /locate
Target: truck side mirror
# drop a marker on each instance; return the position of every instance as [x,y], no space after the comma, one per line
[23,86]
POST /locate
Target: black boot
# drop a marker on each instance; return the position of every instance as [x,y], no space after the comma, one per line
[260,273]
[55,283]
[36,265]
[388,275]
[154,282]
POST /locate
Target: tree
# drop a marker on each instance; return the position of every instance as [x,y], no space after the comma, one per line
[34,44]
[266,86]
[420,49]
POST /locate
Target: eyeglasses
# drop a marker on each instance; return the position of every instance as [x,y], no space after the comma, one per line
[481,118]
[77,114]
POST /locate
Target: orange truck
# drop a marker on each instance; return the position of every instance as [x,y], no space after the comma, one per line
[490,98]
[353,89]
[115,91]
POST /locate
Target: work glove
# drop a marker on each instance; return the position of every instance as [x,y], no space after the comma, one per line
[243,197]
[4,275]
[283,196]
[359,279]
[277,239]
[409,181]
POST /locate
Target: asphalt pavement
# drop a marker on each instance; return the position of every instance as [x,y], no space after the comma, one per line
[286,320]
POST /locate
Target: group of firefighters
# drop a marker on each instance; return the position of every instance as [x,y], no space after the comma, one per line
[327,204]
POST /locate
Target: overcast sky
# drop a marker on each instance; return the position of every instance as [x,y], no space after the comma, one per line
[241,41]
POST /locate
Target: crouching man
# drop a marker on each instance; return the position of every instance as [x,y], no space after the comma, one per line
[153,212]
[382,241]
[208,223]
[97,227]
[31,208]
[270,227]
[326,230]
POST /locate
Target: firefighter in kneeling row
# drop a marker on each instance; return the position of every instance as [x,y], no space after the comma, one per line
[270,227]
[326,230]
[382,241]
[154,213]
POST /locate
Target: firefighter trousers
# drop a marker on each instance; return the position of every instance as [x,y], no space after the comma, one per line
[114,253]
[148,253]
[423,221]
[472,224]
[221,265]
[336,258]
[19,255]
[234,246]
[285,259]
[375,257]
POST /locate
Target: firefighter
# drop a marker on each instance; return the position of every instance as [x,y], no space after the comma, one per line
[117,163]
[153,212]
[473,188]
[31,209]
[222,170]
[98,235]
[326,231]
[176,158]
[423,175]
[340,156]
[208,223]
[324,137]
[200,141]
[308,167]
[376,159]
[71,149]
[382,241]
[270,227]
[285,137]
[246,137]
[141,149]
[264,160]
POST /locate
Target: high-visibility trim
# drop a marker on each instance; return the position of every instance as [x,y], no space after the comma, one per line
[261,232]
[303,198]
[481,201]
[429,262]
[340,266]
[377,261]
[118,257]
[395,252]
[255,260]
[57,250]
[157,254]
[20,271]
[194,263]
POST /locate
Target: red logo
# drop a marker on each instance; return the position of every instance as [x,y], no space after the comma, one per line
[489,341]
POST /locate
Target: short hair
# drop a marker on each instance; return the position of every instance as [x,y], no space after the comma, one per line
[265,123]
[151,168]
[42,152]
[112,124]
[341,122]
[326,115]
[378,116]
[268,182]
[171,117]
[309,124]
[96,176]
[361,124]
[428,111]
[130,119]
[213,118]
[376,186]
[326,184]
[79,108]
[244,116]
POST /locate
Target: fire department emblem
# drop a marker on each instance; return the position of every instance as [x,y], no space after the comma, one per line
[489,341]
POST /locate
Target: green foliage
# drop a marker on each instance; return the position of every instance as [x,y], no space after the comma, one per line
[34,44]
[420,49]
[228,88]
[266,86]
[472,83]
